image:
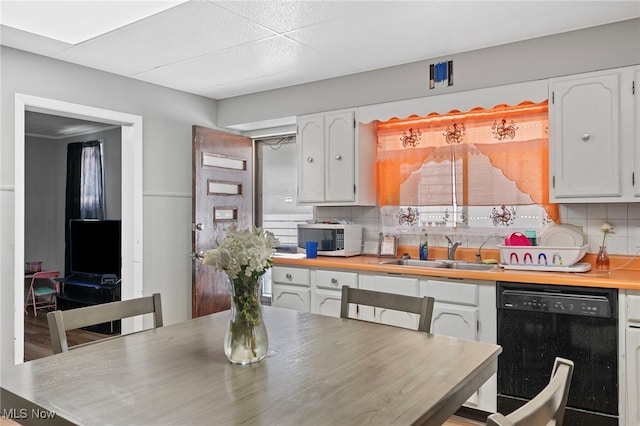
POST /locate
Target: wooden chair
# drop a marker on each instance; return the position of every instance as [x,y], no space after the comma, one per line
[37,292]
[61,321]
[422,306]
[546,408]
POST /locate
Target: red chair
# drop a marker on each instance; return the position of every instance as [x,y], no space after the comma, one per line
[46,287]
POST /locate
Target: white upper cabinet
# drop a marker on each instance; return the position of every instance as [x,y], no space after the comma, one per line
[336,160]
[593,154]
[635,113]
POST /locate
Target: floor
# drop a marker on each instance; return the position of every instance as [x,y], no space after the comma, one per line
[37,343]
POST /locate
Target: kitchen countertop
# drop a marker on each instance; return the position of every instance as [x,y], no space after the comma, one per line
[623,274]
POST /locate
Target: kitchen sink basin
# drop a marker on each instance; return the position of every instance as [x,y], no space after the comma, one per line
[472,266]
[443,264]
[415,262]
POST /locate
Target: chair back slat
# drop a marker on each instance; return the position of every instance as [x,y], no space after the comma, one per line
[423,306]
[547,407]
[62,321]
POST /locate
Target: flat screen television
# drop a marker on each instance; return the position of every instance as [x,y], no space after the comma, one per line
[95,247]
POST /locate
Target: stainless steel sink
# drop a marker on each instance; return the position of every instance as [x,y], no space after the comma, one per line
[416,262]
[443,264]
[473,266]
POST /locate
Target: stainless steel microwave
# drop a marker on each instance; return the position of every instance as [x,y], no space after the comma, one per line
[334,239]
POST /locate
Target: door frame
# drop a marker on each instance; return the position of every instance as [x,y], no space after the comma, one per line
[131,193]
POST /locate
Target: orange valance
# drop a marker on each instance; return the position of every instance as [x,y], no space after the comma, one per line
[514,139]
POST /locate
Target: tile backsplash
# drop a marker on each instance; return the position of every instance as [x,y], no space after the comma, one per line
[624,240]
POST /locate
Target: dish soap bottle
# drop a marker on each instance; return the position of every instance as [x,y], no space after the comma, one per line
[424,249]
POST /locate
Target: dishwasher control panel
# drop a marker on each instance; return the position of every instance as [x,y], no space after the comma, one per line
[596,306]
[556,301]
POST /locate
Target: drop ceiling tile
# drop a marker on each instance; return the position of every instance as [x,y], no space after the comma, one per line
[186,31]
[380,31]
[244,63]
[290,15]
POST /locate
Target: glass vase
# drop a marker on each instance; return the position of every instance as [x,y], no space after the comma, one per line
[246,338]
[602,260]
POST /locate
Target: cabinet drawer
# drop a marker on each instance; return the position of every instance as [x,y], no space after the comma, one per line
[633,307]
[293,276]
[453,292]
[335,280]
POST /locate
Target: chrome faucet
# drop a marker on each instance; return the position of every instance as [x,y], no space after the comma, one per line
[451,248]
[479,253]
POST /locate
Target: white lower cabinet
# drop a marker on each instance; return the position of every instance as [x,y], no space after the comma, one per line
[466,309]
[389,284]
[326,294]
[291,288]
[632,338]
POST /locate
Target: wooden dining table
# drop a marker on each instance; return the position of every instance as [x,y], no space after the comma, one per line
[319,370]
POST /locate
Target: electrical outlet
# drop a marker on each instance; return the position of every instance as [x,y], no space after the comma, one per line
[638,236]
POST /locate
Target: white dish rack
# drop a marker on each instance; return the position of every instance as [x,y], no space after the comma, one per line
[540,256]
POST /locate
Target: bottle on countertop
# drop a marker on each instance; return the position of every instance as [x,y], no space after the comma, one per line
[424,248]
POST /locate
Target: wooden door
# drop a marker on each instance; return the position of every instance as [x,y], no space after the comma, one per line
[222,193]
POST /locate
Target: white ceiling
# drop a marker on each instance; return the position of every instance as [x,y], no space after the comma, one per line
[221,49]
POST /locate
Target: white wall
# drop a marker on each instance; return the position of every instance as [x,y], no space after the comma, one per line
[168,116]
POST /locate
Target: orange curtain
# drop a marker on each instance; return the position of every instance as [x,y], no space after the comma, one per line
[513,138]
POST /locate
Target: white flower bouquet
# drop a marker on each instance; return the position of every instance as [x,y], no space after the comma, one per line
[244,255]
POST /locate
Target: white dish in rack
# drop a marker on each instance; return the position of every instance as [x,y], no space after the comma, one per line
[563,236]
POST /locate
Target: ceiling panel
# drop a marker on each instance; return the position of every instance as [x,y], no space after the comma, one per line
[221,49]
[182,33]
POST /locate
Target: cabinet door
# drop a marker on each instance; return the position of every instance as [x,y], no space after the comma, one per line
[455,321]
[327,292]
[585,145]
[633,375]
[461,322]
[339,130]
[291,297]
[311,159]
[398,285]
[366,282]
[389,284]
[636,144]
[326,302]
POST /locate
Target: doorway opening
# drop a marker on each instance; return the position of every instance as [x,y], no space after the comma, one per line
[131,199]
[276,196]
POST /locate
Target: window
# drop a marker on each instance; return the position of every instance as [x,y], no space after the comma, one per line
[481,168]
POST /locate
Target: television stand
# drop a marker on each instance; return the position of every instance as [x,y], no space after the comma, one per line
[78,291]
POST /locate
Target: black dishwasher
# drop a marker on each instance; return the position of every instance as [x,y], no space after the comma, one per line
[538,322]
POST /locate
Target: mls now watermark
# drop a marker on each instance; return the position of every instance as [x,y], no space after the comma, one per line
[25,413]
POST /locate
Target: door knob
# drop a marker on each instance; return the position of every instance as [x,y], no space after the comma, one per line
[198,255]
